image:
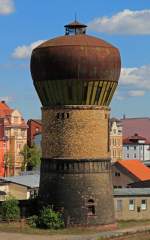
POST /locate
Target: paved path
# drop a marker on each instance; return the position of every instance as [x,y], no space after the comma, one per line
[117,233]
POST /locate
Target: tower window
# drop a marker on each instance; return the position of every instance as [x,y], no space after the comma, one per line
[91,207]
[62,115]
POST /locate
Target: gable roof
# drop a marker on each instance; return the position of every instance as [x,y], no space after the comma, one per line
[4,109]
[135,140]
[136,168]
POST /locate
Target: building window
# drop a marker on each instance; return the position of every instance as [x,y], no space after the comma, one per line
[131,205]
[134,147]
[37,130]
[91,207]
[57,115]
[67,115]
[62,115]
[16,119]
[118,204]
[16,132]
[127,147]
[134,155]
[127,155]
[117,174]
[143,204]
[114,131]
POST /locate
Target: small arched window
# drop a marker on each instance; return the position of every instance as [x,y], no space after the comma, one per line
[91,207]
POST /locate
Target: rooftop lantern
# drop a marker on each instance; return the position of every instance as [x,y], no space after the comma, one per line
[75,28]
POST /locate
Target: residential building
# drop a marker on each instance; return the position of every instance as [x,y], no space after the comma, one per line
[136,147]
[140,184]
[125,172]
[132,203]
[116,146]
[34,128]
[21,187]
[14,131]
[37,140]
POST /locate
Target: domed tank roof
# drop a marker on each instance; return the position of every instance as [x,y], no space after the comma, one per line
[73,59]
[78,56]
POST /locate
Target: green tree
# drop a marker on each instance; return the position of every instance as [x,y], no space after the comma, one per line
[8,163]
[31,157]
[10,209]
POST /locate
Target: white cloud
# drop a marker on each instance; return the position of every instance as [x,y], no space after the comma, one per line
[125,22]
[136,93]
[134,82]
[6,7]
[138,77]
[22,52]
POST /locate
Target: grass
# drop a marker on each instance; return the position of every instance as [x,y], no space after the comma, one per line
[18,227]
[132,223]
[25,228]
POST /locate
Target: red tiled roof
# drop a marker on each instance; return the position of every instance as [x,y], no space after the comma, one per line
[134,139]
[140,126]
[137,168]
[4,109]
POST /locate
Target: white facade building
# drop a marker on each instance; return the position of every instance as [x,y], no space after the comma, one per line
[136,147]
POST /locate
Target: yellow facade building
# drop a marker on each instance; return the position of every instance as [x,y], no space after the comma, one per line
[116,144]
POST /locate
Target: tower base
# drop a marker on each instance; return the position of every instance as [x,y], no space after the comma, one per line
[75,168]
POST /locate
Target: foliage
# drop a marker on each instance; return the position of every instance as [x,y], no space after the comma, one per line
[33,220]
[31,157]
[8,162]
[10,209]
[47,219]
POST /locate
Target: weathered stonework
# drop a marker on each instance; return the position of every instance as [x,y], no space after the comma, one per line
[83,133]
[75,165]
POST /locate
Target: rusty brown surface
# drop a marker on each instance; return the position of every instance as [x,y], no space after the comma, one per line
[75,57]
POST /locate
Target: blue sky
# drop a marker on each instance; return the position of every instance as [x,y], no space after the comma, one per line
[125,24]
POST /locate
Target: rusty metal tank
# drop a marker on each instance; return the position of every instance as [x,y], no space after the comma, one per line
[75,69]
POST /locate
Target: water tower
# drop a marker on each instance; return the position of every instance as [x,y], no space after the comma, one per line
[75,76]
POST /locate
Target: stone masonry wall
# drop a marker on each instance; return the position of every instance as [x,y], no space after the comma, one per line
[75,132]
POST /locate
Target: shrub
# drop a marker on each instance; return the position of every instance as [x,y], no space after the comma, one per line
[10,210]
[32,221]
[47,219]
